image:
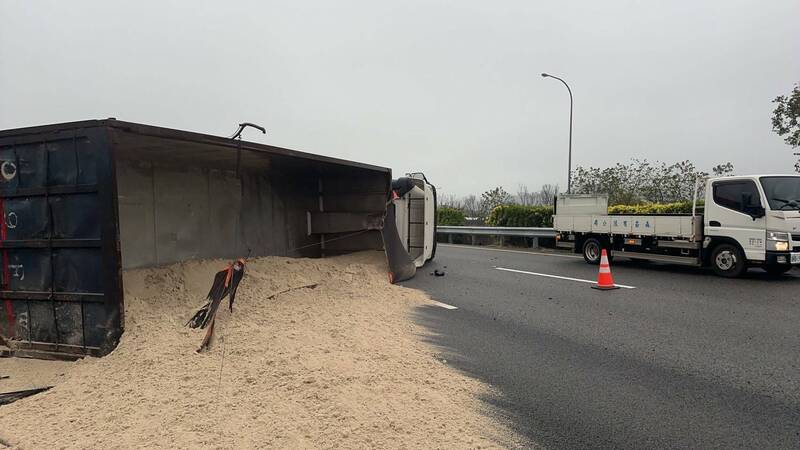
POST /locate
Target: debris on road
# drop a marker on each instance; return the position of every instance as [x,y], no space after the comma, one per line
[305,286]
[438,273]
[226,281]
[11,397]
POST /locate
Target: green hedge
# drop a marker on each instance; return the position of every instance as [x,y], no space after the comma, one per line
[521,216]
[450,216]
[655,208]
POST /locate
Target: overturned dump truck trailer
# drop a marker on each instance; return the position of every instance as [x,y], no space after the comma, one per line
[81,201]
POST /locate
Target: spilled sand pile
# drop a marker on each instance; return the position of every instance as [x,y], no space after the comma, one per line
[341,365]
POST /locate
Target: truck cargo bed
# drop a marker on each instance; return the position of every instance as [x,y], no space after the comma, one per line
[671,226]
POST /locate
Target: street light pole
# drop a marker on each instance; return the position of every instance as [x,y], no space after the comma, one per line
[569,157]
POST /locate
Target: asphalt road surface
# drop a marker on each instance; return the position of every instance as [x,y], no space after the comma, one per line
[683,359]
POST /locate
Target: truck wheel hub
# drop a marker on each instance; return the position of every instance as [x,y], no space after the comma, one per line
[725,260]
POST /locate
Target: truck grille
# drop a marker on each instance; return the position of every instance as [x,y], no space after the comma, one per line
[796,237]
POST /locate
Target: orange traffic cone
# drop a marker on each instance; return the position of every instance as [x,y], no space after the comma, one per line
[604,279]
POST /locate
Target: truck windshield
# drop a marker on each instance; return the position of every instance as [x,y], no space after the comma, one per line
[783,193]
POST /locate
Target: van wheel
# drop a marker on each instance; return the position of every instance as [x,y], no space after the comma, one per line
[592,251]
[728,261]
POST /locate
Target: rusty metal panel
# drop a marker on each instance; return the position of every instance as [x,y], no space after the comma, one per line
[60,288]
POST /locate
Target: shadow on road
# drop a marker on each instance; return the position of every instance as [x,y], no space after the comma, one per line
[753,273]
[497,407]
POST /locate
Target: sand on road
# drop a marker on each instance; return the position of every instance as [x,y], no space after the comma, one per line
[340,365]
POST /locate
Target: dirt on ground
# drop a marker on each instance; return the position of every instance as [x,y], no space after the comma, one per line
[341,365]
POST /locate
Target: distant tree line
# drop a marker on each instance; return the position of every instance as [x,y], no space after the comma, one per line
[477,208]
[636,183]
[641,181]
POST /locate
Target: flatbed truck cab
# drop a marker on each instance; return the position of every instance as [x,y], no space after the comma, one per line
[748,221]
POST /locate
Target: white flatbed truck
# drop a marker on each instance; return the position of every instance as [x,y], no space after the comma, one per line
[748,221]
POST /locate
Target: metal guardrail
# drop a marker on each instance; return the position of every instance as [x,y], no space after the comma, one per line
[498,231]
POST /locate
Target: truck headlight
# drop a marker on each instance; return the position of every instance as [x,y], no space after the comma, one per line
[778,246]
[777,241]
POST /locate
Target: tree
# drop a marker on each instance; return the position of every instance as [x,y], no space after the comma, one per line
[786,119]
[722,170]
[679,182]
[623,183]
[450,201]
[494,197]
[525,196]
[544,196]
[640,181]
[471,206]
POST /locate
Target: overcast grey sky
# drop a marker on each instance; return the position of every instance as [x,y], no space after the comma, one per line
[451,88]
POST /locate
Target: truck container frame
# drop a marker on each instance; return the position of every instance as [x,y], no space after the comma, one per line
[81,201]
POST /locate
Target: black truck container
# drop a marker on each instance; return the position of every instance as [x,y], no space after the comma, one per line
[81,201]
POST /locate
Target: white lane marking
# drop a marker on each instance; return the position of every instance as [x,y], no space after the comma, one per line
[559,277]
[509,251]
[443,305]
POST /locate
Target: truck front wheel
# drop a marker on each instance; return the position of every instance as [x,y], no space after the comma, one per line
[727,260]
[591,251]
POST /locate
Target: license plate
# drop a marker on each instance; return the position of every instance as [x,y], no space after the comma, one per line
[795,258]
